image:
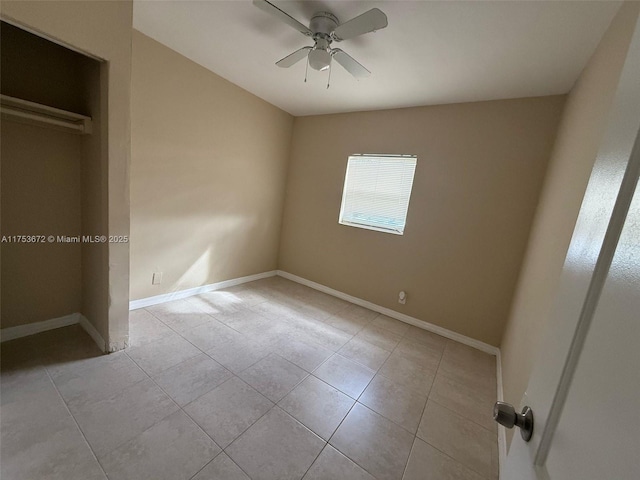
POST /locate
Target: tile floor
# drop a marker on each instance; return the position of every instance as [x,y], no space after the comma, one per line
[267,380]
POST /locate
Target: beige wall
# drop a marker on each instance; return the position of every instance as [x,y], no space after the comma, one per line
[208,174]
[579,136]
[40,196]
[479,172]
[102,29]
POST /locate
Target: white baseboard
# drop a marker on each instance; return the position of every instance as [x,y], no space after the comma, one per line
[92,332]
[20,331]
[168,297]
[485,347]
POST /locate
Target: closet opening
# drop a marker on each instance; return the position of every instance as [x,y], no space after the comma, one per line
[54,188]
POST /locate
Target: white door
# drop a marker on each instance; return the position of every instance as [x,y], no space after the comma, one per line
[585,387]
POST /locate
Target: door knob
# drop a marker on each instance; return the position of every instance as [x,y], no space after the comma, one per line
[506,415]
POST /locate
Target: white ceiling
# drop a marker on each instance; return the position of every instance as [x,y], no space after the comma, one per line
[431,52]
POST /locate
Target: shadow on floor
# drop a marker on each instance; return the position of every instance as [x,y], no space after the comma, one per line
[47,349]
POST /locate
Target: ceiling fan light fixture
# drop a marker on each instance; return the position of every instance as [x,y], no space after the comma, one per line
[319,59]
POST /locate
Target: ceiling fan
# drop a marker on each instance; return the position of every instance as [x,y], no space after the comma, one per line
[324,29]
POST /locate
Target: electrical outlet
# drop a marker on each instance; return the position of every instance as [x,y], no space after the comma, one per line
[157,278]
[402,297]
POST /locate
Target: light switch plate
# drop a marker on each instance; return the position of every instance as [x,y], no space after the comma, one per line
[157,278]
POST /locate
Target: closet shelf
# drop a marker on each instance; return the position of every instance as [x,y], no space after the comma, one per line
[24,111]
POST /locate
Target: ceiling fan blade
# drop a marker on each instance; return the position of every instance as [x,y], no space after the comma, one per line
[349,64]
[283,16]
[295,57]
[369,21]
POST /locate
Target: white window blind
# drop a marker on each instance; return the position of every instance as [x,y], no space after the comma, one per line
[376,192]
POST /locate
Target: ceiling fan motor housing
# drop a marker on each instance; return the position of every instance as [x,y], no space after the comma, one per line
[323,23]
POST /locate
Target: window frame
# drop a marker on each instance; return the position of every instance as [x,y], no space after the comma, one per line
[365,226]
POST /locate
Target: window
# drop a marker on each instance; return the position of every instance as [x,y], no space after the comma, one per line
[376,192]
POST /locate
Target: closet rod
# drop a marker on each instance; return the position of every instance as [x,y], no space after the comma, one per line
[33,113]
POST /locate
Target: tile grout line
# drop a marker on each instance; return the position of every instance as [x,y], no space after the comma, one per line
[424,408]
[344,418]
[76,422]
[415,435]
[195,346]
[243,432]
[454,459]
[327,442]
[340,424]
[222,450]
[187,299]
[465,418]
[334,432]
[444,374]
[452,378]
[232,373]
[236,375]
[377,372]
[109,396]
[204,466]
[433,446]
[176,404]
